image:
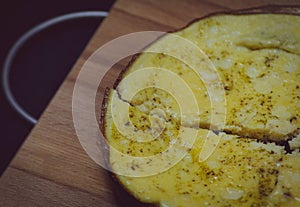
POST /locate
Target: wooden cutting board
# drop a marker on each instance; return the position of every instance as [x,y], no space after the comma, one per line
[51,168]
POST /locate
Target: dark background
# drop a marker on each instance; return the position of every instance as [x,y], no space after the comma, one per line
[42,64]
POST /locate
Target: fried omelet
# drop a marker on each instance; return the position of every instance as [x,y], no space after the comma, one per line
[255,161]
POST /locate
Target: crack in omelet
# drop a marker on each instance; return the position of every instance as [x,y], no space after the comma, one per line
[240,171]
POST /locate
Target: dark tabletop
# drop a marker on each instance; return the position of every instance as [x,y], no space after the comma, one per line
[42,64]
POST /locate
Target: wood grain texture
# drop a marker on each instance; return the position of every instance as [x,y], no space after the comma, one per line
[51,168]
